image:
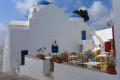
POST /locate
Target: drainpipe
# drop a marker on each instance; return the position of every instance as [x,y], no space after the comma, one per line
[114,49]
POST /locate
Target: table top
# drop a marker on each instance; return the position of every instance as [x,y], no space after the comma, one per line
[73,56]
[102,55]
[105,52]
[111,50]
[54,53]
[92,63]
[48,57]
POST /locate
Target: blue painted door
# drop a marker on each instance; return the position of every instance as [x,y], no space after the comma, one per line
[54,49]
[23,53]
[83,35]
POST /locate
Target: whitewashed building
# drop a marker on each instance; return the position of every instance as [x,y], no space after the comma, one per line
[46,23]
[1,52]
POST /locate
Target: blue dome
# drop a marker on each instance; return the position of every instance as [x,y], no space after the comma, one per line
[74,15]
[42,2]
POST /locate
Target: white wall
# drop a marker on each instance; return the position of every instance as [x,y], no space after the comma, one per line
[36,68]
[18,41]
[46,24]
[6,53]
[67,72]
[105,34]
[50,24]
[116,11]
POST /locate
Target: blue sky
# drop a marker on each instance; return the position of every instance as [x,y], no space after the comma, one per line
[99,11]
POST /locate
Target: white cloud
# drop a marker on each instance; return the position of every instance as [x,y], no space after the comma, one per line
[3,31]
[99,15]
[83,8]
[64,8]
[24,5]
[98,10]
[102,22]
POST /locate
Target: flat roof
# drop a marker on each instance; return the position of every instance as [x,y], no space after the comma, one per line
[19,23]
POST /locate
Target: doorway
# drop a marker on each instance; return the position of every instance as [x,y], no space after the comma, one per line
[23,53]
[81,47]
[83,35]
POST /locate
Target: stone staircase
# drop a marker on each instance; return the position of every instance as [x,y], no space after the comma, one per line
[99,40]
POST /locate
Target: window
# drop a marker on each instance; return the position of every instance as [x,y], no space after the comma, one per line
[34,9]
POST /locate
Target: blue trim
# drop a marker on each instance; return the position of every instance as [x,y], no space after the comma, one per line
[74,15]
[42,2]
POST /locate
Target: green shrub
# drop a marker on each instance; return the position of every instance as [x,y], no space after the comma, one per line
[111,64]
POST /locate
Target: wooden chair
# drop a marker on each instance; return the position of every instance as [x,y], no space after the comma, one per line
[49,54]
[103,66]
[58,55]
[73,54]
[79,60]
[66,55]
[52,60]
[63,57]
[79,57]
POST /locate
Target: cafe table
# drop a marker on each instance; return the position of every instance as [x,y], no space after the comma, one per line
[102,55]
[73,56]
[106,52]
[54,53]
[91,64]
[48,57]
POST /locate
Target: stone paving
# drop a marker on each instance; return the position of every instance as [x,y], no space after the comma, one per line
[12,75]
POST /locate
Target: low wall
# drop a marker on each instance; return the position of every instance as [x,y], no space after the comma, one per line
[67,72]
[36,68]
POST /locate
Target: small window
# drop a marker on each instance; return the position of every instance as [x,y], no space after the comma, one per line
[34,9]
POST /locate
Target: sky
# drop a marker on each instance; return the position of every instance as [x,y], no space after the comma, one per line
[100,11]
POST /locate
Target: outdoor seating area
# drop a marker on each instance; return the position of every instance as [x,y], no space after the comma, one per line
[97,60]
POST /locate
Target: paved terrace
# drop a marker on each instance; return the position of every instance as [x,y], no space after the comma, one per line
[12,75]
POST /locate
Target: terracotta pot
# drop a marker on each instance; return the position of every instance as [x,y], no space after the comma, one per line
[39,56]
[99,45]
[59,60]
[111,70]
[42,57]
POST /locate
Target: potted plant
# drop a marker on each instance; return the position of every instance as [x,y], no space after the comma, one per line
[111,68]
[99,45]
[58,60]
[41,55]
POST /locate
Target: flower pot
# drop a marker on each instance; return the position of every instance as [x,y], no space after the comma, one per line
[111,70]
[99,45]
[39,56]
[42,57]
[59,60]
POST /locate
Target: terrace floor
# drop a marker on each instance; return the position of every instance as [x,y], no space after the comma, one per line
[12,75]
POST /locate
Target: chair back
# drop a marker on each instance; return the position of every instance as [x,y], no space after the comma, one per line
[88,53]
[83,52]
[79,57]
[58,55]
[95,54]
[103,66]
[73,54]
[49,54]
